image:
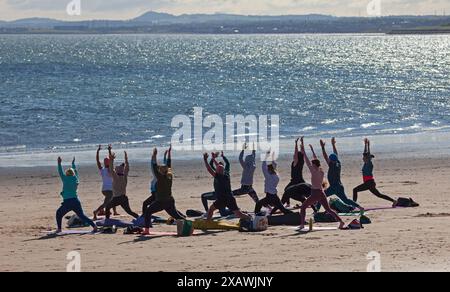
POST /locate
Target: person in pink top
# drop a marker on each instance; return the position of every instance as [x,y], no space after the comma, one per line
[317,191]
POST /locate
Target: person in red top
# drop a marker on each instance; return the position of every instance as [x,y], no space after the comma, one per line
[368,177]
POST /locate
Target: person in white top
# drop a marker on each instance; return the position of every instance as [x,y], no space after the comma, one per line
[107,189]
[271,187]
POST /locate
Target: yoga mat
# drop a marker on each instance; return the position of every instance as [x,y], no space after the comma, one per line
[214,225]
[113,222]
[70,232]
[383,208]
[306,229]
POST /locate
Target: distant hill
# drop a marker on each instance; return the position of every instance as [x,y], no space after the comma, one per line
[164,23]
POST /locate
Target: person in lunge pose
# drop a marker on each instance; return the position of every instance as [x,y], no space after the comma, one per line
[317,193]
[334,176]
[164,199]
[120,181]
[249,166]
[368,177]
[270,187]
[107,189]
[71,202]
[222,188]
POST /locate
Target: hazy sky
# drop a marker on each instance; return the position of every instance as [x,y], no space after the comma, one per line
[126,9]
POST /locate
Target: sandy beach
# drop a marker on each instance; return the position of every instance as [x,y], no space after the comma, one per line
[407,239]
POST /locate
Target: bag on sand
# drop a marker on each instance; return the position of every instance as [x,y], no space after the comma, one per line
[339,206]
[324,217]
[365,220]
[355,225]
[406,203]
[257,224]
[75,222]
[185,228]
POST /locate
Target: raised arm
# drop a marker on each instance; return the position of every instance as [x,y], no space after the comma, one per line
[208,166]
[227,163]
[296,152]
[305,156]
[97,157]
[313,152]
[241,156]
[333,142]
[112,157]
[127,164]
[169,157]
[74,167]
[366,146]
[60,169]
[324,152]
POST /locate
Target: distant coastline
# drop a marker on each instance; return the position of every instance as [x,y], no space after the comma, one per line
[162,23]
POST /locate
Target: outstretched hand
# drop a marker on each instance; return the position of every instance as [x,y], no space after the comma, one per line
[99,147]
[205,156]
[73,161]
[112,156]
[155,151]
[322,143]
[333,141]
[59,160]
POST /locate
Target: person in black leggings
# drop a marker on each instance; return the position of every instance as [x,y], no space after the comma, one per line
[296,176]
[163,198]
[222,188]
[368,177]
[270,187]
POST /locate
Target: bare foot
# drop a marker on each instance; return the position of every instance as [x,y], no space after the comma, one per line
[301,227]
[146,231]
[342,226]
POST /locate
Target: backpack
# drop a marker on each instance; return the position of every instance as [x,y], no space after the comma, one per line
[75,222]
[406,203]
[257,224]
[324,217]
[339,206]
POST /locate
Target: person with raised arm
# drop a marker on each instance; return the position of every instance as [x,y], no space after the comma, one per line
[271,182]
[211,196]
[164,200]
[153,184]
[296,175]
[222,187]
[107,189]
[368,177]
[317,192]
[71,202]
[297,189]
[334,176]
[120,181]
[248,166]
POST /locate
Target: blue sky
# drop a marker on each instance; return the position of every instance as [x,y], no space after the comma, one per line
[126,9]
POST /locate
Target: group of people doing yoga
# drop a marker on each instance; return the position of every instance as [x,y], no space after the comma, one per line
[314,195]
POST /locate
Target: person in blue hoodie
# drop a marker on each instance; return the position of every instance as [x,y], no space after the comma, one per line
[71,202]
[334,176]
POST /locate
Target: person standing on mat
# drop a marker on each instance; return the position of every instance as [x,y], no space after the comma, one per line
[164,199]
[71,202]
[334,176]
[317,193]
[222,188]
[297,189]
[270,187]
[120,182]
[153,184]
[211,196]
[107,189]
[368,177]
[296,176]
[249,166]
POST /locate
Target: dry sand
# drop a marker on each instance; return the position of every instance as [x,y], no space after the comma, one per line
[407,239]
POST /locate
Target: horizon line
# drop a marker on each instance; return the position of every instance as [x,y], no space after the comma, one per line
[230,14]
